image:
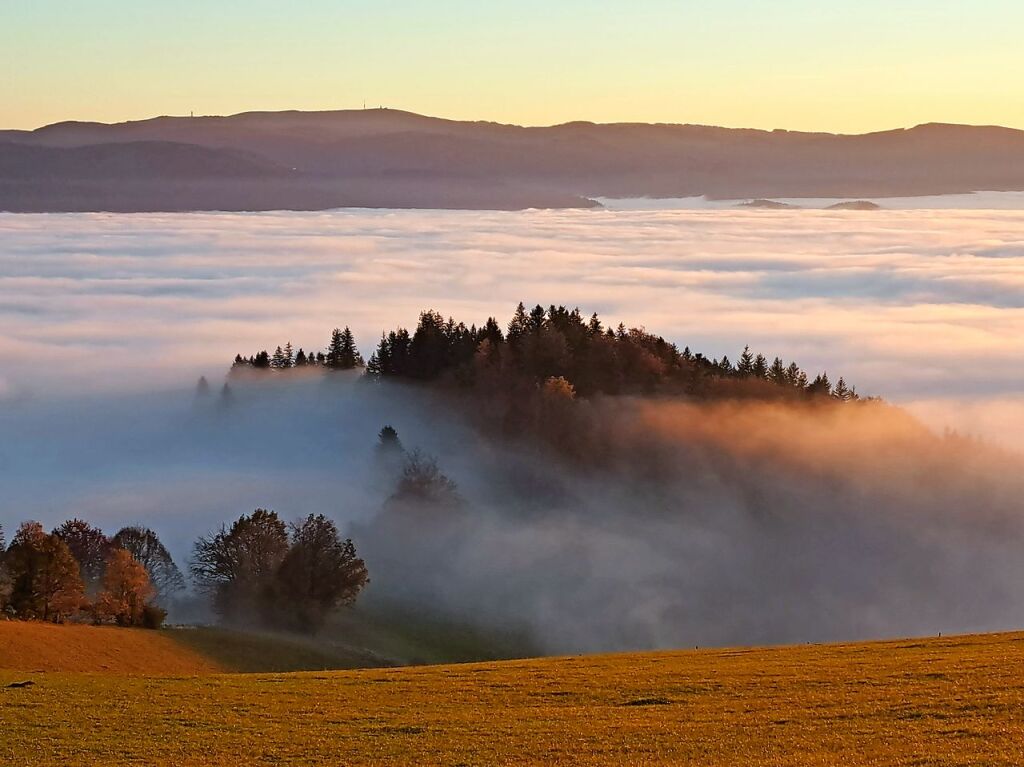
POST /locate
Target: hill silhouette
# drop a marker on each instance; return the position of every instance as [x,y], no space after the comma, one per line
[391,158]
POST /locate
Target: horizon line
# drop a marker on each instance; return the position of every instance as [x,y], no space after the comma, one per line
[355,110]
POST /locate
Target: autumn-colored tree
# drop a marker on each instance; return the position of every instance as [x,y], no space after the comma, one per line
[126,590]
[144,544]
[45,579]
[89,546]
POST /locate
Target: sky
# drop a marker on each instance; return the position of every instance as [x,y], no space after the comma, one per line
[795,64]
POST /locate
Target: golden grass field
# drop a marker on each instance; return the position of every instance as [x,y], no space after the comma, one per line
[955,701]
[26,646]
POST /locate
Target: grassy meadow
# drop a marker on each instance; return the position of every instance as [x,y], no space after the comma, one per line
[950,701]
[44,647]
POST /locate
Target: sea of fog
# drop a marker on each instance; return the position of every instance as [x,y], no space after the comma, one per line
[924,307]
[108,321]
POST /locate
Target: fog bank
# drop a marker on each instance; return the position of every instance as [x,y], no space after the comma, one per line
[912,305]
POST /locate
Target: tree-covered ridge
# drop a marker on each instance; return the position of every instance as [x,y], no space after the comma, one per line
[545,345]
[341,354]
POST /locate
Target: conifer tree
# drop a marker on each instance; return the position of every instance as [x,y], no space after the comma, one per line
[334,349]
[537,317]
[795,377]
[518,326]
[342,353]
[842,391]
[777,373]
[745,365]
[821,385]
[350,356]
[760,368]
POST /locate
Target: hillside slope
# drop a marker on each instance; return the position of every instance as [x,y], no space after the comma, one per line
[955,701]
[390,158]
[27,647]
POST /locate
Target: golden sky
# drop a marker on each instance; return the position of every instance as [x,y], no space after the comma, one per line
[835,66]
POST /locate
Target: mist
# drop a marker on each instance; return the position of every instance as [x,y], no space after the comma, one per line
[914,305]
[682,524]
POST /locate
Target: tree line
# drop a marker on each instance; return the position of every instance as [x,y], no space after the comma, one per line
[341,354]
[257,570]
[76,572]
[558,344]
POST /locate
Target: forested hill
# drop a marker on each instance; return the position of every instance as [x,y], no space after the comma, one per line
[559,350]
[389,158]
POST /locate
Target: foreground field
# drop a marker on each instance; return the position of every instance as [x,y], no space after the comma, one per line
[33,647]
[957,701]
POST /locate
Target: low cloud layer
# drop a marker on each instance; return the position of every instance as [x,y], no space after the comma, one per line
[681,525]
[918,306]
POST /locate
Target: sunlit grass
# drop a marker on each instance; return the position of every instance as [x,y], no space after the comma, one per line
[956,701]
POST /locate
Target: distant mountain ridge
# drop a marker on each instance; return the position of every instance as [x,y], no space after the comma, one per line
[391,158]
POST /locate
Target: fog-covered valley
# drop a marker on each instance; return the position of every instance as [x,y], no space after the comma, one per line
[694,524]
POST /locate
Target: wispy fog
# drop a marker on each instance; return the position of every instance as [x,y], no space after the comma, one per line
[681,525]
[692,526]
[921,305]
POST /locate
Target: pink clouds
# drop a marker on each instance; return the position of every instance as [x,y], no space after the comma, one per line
[912,305]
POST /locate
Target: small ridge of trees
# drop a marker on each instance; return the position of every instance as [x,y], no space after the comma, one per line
[260,570]
[342,354]
[77,573]
[558,343]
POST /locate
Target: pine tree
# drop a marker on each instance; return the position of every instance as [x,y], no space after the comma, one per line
[388,441]
[745,366]
[289,358]
[278,360]
[760,367]
[491,331]
[777,373]
[537,317]
[842,392]
[333,359]
[795,377]
[518,326]
[350,356]
[820,386]
[300,359]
